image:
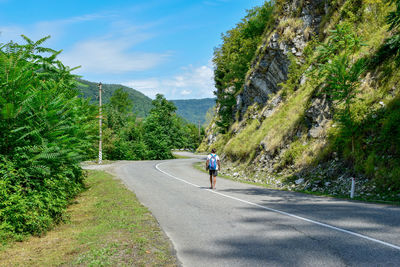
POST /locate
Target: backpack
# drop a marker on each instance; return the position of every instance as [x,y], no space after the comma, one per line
[212,164]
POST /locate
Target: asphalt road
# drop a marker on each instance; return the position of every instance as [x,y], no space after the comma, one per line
[244,225]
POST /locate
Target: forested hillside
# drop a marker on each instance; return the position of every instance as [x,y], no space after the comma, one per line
[194,110]
[308,97]
[141,103]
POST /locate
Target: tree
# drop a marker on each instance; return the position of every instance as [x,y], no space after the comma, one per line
[121,102]
[118,110]
[123,140]
[160,132]
[339,74]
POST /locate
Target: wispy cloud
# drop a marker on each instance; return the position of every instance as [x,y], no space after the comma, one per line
[193,82]
[54,28]
[8,33]
[110,56]
[113,52]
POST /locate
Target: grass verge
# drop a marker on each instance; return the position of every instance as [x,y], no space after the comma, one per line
[95,162]
[107,226]
[200,166]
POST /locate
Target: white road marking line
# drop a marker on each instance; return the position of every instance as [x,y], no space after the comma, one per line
[285,213]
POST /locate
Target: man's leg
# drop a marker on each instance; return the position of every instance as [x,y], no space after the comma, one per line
[214,181]
[211,181]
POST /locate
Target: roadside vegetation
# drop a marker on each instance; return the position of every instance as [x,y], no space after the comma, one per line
[106,226]
[47,130]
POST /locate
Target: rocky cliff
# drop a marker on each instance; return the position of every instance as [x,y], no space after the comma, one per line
[271,65]
[285,133]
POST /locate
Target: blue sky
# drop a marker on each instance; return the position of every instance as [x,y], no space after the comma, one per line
[154,46]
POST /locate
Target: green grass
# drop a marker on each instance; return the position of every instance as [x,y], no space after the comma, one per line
[107,227]
[272,130]
[96,162]
[176,156]
[200,166]
[347,197]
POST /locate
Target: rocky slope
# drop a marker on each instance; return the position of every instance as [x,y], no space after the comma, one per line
[285,133]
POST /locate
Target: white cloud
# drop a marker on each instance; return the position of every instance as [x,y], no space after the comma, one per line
[112,53]
[109,56]
[36,31]
[8,33]
[186,92]
[149,87]
[193,82]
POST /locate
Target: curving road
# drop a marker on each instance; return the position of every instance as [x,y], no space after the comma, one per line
[244,225]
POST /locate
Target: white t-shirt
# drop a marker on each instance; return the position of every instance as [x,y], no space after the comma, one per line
[217,158]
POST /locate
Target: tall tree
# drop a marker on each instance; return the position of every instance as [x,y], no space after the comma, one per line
[118,110]
[160,129]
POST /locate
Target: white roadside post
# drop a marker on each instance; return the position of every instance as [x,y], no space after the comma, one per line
[100,126]
[352,187]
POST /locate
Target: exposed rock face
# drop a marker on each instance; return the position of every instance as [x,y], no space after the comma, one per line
[300,20]
[271,70]
[211,137]
[211,134]
[271,65]
[318,116]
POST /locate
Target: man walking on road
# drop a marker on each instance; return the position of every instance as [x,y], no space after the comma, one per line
[213,165]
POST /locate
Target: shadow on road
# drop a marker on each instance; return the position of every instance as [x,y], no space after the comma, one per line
[330,209]
[284,241]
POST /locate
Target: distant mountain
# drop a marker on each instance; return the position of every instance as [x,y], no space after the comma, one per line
[194,110]
[141,103]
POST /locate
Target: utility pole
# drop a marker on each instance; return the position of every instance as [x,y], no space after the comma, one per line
[199,133]
[100,126]
[199,128]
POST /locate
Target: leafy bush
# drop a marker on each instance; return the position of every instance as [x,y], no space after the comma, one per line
[45,133]
[368,138]
[338,73]
[393,18]
[377,146]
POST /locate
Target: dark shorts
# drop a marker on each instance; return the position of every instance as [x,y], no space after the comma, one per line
[213,172]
